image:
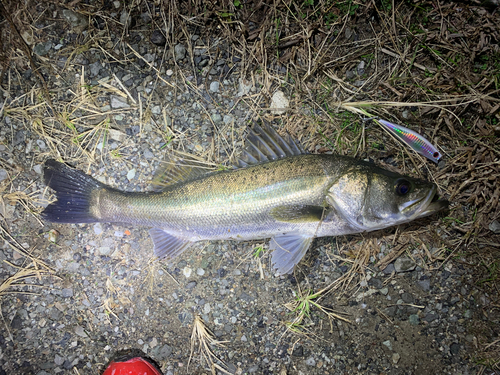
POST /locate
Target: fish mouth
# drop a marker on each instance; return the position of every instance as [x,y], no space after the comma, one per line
[428,205]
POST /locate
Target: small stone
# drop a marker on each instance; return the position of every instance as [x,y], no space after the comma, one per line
[187,271]
[58,360]
[158,38]
[494,226]
[80,331]
[200,271]
[117,135]
[119,102]
[207,308]
[454,348]
[388,344]
[53,235]
[38,168]
[361,68]
[125,18]
[104,250]
[148,154]
[310,361]
[131,174]
[164,353]
[376,283]
[349,74]
[395,358]
[244,87]
[179,52]
[424,284]
[214,86]
[191,285]
[95,68]
[404,264]
[3,174]
[77,21]
[384,291]
[41,144]
[244,338]
[41,49]
[67,292]
[430,317]
[279,103]
[389,269]
[98,228]
[414,320]
[228,119]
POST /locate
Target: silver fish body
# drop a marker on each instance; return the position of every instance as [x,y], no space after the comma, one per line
[279,193]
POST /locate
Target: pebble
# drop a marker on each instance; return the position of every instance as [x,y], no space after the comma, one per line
[41,144]
[131,174]
[179,52]
[311,361]
[41,49]
[158,38]
[67,292]
[38,168]
[361,67]
[414,320]
[494,226]
[80,331]
[207,308]
[200,271]
[58,360]
[244,87]
[118,102]
[214,86]
[97,228]
[279,103]
[3,174]
[187,271]
[395,358]
[404,264]
[191,285]
[77,21]
[424,284]
[388,344]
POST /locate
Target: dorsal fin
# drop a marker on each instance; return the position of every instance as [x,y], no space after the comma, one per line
[179,169]
[263,144]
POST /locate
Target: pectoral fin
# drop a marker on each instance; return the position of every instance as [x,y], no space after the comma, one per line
[166,245]
[297,213]
[288,251]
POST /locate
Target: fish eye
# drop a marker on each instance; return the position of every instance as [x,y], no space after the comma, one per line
[403,187]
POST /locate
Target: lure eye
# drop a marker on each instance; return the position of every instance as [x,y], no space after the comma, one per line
[435,155]
[403,187]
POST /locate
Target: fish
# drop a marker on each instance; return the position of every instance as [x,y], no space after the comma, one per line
[413,140]
[275,191]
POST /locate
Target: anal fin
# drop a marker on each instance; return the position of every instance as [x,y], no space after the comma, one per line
[166,245]
[289,250]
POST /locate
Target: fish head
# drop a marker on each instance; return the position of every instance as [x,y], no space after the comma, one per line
[371,198]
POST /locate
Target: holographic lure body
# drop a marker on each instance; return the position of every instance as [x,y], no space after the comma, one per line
[414,140]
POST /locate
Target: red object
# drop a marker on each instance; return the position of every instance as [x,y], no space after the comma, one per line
[134,366]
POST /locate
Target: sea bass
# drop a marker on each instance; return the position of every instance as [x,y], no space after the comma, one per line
[277,191]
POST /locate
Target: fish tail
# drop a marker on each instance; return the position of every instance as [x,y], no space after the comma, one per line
[73,191]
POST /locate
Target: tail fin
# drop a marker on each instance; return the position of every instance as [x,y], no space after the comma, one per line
[73,191]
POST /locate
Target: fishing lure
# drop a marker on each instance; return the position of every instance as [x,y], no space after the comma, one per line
[414,140]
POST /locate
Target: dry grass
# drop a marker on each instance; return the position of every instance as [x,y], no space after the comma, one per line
[202,340]
[434,67]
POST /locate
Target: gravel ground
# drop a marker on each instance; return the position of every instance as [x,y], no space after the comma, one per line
[107,294]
